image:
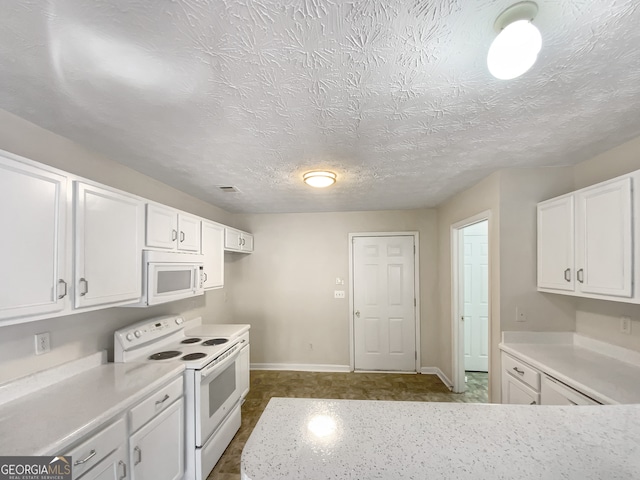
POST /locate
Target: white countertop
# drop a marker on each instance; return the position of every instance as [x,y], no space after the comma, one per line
[415,440]
[47,420]
[608,374]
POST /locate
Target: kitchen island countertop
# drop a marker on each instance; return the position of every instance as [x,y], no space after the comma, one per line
[359,439]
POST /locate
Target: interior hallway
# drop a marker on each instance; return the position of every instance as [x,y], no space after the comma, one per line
[352,386]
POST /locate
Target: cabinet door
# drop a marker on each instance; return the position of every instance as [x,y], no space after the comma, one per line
[556,244]
[157,449]
[108,246]
[188,233]
[161,227]
[114,467]
[32,244]
[213,251]
[603,239]
[247,242]
[232,239]
[516,392]
[242,372]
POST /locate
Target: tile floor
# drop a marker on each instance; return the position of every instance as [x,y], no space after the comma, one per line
[355,386]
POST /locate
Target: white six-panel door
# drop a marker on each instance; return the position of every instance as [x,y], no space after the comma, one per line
[476,297]
[384,303]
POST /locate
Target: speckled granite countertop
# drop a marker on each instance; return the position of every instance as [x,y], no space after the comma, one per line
[604,372]
[47,420]
[357,439]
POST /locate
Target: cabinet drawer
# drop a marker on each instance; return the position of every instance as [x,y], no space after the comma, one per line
[521,371]
[90,452]
[156,403]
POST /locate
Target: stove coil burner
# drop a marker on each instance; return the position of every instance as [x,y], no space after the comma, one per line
[191,340]
[194,356]
[165,355]
[215,341]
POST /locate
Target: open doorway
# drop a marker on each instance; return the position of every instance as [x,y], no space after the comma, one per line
[471,307]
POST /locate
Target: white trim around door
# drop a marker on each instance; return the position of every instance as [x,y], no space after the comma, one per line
[457,325]
[416,242]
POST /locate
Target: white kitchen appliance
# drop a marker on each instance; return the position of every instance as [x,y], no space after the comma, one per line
[216,361]
[170,276]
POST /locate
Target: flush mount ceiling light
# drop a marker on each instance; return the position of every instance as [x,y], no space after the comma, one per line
[516,48]
[319,179]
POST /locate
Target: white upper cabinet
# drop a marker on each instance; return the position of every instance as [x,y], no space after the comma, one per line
[603,227]
[556,244]
[33,240]
[237,240]
[213,251]
[169,229]
[108,246]
[586,243]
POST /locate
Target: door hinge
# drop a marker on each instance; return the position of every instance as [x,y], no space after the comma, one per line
[415,302]
[416,354]
[414,249]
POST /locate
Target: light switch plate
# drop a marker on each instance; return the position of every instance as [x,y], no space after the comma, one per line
[625,325]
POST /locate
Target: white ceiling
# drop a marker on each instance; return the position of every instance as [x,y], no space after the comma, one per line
[393,95]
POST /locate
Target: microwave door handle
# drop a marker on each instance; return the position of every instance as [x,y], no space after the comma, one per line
[219,367]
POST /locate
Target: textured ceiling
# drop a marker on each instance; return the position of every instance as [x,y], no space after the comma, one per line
[394,96]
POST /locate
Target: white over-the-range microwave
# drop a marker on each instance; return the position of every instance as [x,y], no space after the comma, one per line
[170,276]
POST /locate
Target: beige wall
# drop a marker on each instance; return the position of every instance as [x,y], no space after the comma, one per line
[285,290]
[484,196]
[598,318]
[78,335]
[520,192]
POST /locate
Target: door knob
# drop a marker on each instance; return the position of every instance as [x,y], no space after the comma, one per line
[358,313]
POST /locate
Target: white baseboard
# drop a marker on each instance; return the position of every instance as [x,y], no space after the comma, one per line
[436,371]
[300,367]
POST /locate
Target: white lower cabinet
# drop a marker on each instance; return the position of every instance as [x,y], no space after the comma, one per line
[554,392]
[156,444]
[157,449]
[103,450]
[520,382]
[113,467]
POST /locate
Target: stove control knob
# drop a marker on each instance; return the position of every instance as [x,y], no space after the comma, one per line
[129,336]
[137,333]
[179,320]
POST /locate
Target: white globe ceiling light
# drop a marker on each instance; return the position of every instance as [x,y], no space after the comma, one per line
[516,48]
[319,179]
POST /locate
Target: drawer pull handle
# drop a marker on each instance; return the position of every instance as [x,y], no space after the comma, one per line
[86,286]
[518,371]
[181,237]
[60,296]
[124,470]
[174,235]
[533,403]
[92,454]
[567,274]
[160,402]
[138,452]
[581,275]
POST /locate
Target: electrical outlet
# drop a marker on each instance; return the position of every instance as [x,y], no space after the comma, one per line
[520,315]
[43,343]
[338,294]
[625,325]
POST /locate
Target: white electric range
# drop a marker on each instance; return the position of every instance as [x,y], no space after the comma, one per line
[216,361]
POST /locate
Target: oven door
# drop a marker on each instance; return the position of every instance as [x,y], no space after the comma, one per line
[219,392]
[169,282]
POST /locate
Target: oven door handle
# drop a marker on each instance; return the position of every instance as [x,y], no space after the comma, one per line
[218,367]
